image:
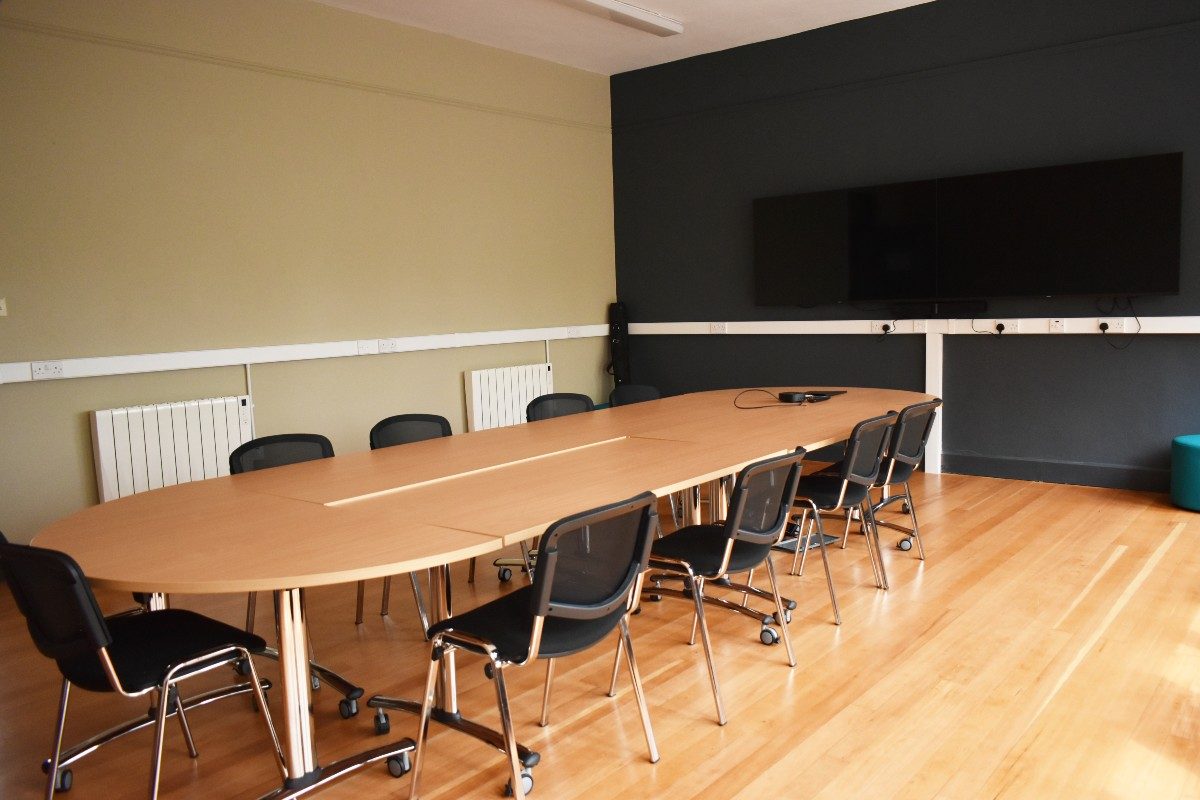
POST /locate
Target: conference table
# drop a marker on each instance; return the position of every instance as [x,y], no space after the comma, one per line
[427,505]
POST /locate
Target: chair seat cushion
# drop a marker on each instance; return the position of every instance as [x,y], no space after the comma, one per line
[703,547]
[824,488]
[145,647]
[507,622]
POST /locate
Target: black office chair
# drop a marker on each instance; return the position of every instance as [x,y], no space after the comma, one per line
[131,654]
[395,430]
[548,406]
[585,586]
[845,487]
[280,450]
[559,404]
[904,453]
[630,393]
[704,555]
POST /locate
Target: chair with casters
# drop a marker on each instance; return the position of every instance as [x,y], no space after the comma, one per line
[547,406]
[280,450]
[706,555]
[132,654]
[905,451]
[559,404]
[396,430]
[585,587]
[630,393]
[845,487]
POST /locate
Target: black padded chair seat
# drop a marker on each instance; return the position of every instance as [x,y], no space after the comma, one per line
[824,488]
[145,647]
[703,547]
[507,622]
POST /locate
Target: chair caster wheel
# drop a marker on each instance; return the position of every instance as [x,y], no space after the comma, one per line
[65,777]
[489,671]
[652,598]
[241,667]
[383,725]
[768,635]
[315,681]
[904,544]
[347,708]
[526,784]
[504,574]
[399,766]
[789,605]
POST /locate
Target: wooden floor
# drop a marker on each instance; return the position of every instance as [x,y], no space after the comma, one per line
[1048,648]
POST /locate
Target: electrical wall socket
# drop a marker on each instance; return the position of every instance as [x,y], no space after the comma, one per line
[1058,325]
[1115,324]
[718,327]
[1010,325]
[572,333]
[45,370]
[368,347]
[389,346]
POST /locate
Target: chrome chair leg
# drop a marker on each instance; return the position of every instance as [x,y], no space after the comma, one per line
[545,720]
[56,751]
[261,697]
[780,619]
[510,738]
[183,723]
[426,709]
[846,532]
[799,536]
[358,609]
[873,533]
[837,614]
[872,555]
[697,587]
[160,723]
[912,513]
[612,685]
[807,540]
[638,692]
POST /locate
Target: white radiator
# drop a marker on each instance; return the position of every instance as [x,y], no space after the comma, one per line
[148,447]
[497,397]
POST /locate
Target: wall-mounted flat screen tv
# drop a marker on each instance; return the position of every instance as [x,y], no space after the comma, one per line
[1098,228]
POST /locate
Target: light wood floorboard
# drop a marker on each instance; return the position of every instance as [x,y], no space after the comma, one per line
[1048,648]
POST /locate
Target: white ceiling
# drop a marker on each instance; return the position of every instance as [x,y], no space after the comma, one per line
[565,32]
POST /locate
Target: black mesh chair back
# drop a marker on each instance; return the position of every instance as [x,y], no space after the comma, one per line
[53,595]
[909,437]
[629,393]
[407,428]
[589,562]
[560,404]
[865,450]
[762,499]
[279,450]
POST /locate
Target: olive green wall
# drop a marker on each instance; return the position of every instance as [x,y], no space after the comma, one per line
[199,175]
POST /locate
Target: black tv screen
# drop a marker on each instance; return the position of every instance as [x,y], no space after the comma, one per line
[1101,228]
[1098,228]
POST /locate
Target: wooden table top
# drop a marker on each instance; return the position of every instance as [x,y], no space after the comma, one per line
[405,508]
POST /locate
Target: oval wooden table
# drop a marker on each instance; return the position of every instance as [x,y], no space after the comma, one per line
[426,505]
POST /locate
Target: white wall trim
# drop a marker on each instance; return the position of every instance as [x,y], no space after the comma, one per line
[870,327]
[22,371]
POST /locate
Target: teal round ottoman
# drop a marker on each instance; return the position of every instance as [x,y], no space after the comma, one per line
[1185,471]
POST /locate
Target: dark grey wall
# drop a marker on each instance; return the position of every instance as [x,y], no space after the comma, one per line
[951,87]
